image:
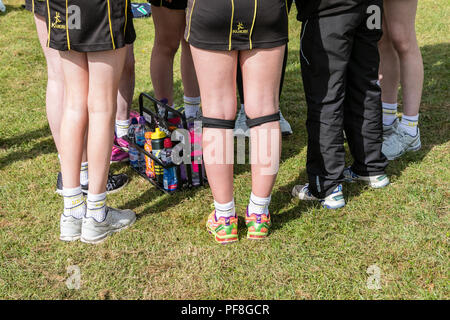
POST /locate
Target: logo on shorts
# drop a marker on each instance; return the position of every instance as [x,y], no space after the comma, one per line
[73,19]
[57,23]
[240,29]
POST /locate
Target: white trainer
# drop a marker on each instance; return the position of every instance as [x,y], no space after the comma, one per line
[334,201]
[70,228]
[378,181]
[115,221]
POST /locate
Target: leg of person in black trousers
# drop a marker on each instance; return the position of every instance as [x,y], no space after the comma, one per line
[240,127]
[339,60]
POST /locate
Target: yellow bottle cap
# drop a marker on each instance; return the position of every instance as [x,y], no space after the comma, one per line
[158,134]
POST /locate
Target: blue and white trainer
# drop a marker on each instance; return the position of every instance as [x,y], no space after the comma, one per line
[334,201]
[390,129]
[70,228]
[378,181]
[399,143]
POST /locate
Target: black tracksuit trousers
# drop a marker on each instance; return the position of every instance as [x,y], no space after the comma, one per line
[339,60]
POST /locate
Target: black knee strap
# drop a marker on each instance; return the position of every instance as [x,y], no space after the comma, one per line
[261,120]
[217,123]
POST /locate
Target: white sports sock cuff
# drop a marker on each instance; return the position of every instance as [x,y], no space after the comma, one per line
[192,100]
[260,201]
[411,118]
[390,106]
[70,192]
[96,197]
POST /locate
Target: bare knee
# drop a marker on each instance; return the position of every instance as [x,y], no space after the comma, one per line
[167,45]
[403,42]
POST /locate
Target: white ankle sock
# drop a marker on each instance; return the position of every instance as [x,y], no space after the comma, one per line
[74,204]
[389,113]
[122,127]
[84,177]
[409,124]
[258,205]
[191,106]
[96,206]
[225,210]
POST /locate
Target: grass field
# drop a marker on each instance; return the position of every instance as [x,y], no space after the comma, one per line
[312,253]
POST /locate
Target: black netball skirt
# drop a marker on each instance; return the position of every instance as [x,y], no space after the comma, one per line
[236,24]
[175,4]
[89,25]
[36,6]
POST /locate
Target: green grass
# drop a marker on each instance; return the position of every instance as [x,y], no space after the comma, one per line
[312,253]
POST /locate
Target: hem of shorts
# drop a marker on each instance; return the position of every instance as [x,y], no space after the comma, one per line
[237,47]
[86,47]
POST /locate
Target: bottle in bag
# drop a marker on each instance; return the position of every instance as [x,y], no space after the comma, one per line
[157,148]
[139,134]
[170,180]
[149,163]
[134,154]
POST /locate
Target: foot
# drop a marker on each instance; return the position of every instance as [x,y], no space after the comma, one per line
[2,6]
[59,186]
[115,183]
[389,130]
[285,127]
[70,228]
[115,221]
[399,143]
[334,201]
[223,229]
[240,126]
[378,181]
[258,225]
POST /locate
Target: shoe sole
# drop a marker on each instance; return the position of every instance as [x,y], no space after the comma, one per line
[333,207]
[412,149]
[103,237]
[370,184]
[69,239]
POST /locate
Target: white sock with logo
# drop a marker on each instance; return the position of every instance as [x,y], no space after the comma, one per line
[74,204]
[225,210]
[84,177]
[389,113]
[122,127]
[96,206]
[258,205]
[409,124]
[191,106]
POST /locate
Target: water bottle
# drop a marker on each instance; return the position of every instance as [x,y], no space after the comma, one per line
[157,148]
[170,181]
[134,154]
[149,163]
[139,134]
[196,153]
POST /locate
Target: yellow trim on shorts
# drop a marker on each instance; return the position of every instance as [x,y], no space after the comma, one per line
[110,26]
[49,22]
[67,25]
[190,21]
[287,9]
[32,1]
[126,16]
[253,24]
[231,24]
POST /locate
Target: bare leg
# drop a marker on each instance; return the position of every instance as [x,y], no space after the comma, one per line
[400,18]
[105,69]
[126,86]
[169,26]
[216,71]
[389,68]
[55,85]
[261,73]
[188,75]
[75,116]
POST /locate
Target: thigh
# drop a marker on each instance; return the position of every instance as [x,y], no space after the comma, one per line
[400,16]
[169,24]
[105,70]
[261,73]
[76,78]
[216,74]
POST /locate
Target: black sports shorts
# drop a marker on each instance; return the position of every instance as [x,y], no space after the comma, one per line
[36,6]
[175,4]
[236,24]
[89,25]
